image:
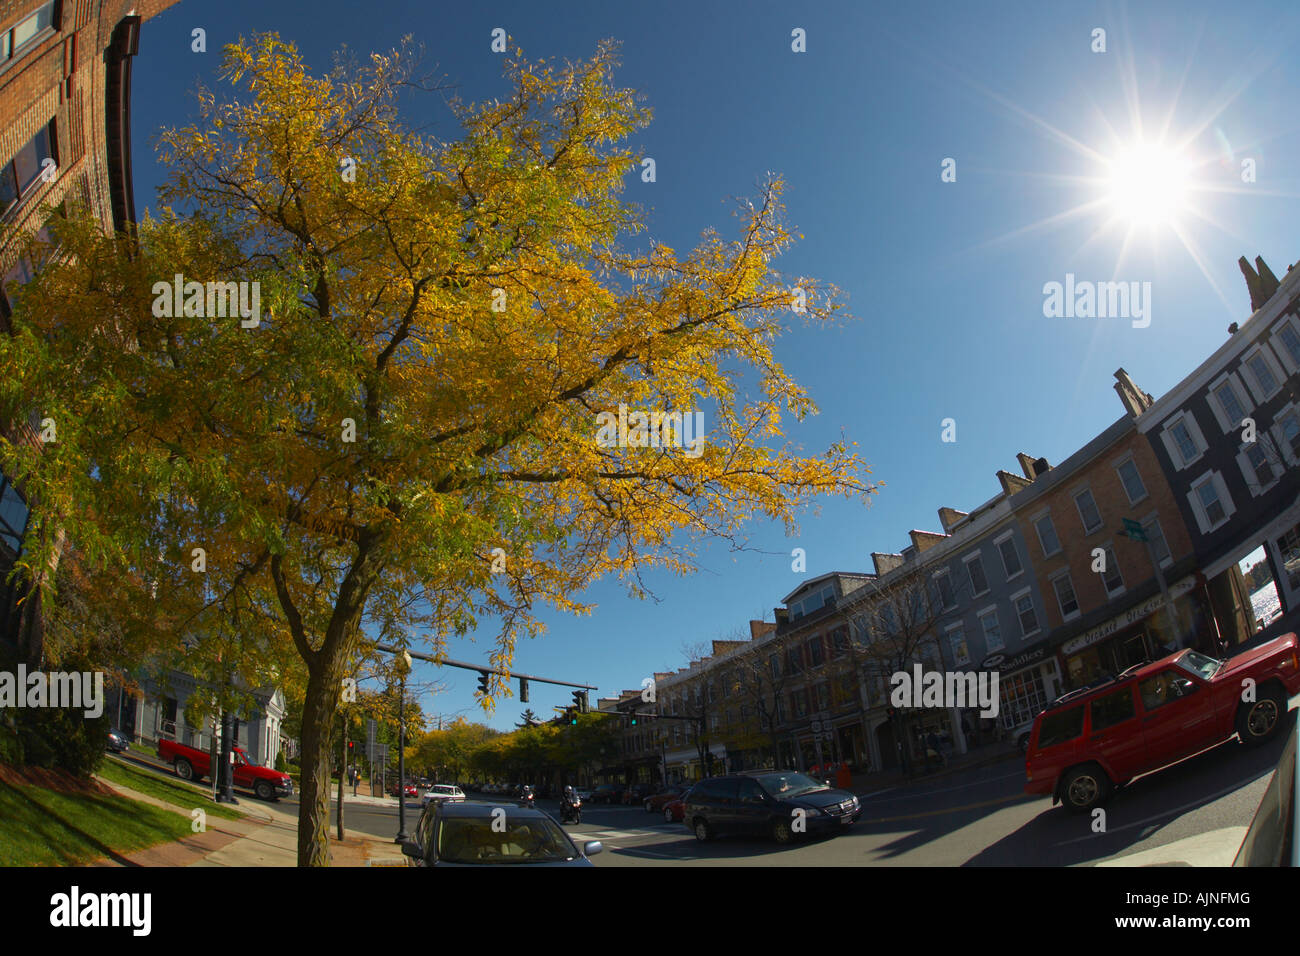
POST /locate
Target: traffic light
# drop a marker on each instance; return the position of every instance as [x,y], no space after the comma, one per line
[891,712]
[523,690]
[483,682]
[351,747]
[580,701]
[631,719]
[572,715]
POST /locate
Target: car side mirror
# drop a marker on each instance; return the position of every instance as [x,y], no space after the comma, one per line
[412,849]
[592,847]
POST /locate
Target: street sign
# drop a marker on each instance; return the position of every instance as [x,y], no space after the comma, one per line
[1134,530]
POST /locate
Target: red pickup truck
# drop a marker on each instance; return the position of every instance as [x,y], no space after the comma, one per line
[1098,738]
[192,764]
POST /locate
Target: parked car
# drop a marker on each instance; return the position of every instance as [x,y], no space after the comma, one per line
[779,803]
[635,794]
[675,810]
[411,790]
[117,742]
[1098,738]
[607,793]
[190,763]
[656,801]
[446,792]
[469,834]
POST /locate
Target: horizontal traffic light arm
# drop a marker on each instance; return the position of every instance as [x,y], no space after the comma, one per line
[514,675]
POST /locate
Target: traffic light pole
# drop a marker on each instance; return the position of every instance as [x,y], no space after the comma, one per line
[343,769]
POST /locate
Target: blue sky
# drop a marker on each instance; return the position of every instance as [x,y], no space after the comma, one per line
[944,280]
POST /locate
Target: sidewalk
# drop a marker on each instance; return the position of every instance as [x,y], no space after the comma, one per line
[266,836]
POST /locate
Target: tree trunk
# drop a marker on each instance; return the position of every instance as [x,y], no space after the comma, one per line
[317,728]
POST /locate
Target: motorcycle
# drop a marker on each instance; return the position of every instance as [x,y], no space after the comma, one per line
[571,812]
[528,798]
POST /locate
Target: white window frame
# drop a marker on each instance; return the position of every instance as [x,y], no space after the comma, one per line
[1075,495]
[966,562]
[1279,377]
[1154,519]
[1002,539]
[1265,444]
[960,631]
[1280,348]
[1109,546]
[1239,390]
[1056,534]
[991,611]
[1171,444]
[1065,573]
[1015,601]
[1225,501]
[1279,436]
[1119,463]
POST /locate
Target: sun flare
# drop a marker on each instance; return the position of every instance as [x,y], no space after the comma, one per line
[1149,185]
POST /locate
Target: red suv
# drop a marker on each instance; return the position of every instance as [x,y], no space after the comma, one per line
[1100,737]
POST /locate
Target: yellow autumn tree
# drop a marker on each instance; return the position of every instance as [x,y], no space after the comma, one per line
[399,424]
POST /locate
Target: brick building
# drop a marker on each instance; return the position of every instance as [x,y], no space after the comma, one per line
[65,86]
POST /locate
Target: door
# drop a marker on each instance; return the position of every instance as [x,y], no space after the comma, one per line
[1178,718]
[242,776]
[752,808]
[1116,734]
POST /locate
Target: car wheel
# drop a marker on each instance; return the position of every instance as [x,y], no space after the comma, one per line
[782,833]
[1257,722]
[1084,788]
[183,769]
[263,790]
[668,815]
[702,831]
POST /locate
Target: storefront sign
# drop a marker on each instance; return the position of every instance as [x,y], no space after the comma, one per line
[1002,663]
[1134,614]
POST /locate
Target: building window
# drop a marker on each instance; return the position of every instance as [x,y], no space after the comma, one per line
[1088,512]
[946,598]
[1010,557]
[1064,588]
[799,703]
[992,630]
[1210,502]
[957,643]
[1265,373]
[1156,540]
[1257,466]
[815,653]
[17,39]
[1132,481]
[822,695]
[1290,338]
[839,642]
[20,176]
[1047,535]
[793,660]
[1288,430]
[1233,413]
[774,666]
[13,515]
[1183,440]
[975,569]
[1025,613]
[1110,576]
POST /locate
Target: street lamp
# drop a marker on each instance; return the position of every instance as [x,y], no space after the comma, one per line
[404,667]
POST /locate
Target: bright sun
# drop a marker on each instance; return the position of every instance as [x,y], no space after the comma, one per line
[1148,185]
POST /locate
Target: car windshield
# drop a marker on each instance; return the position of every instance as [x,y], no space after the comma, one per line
[789,784]
[530,840]
[1199,664]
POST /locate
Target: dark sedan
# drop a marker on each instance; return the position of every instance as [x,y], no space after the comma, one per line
[481,834]
[117,742]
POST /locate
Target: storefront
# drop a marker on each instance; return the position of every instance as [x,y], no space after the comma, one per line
[1145,632]
[1027,683]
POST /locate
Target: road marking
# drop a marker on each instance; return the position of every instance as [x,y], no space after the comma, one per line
[946,810]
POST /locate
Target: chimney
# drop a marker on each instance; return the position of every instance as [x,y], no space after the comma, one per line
[1026,465]
[758,628]
[1262,283]
[1041,466]
[949,517]
[886,562]
[923,540]
[1135,400]
[1012,483]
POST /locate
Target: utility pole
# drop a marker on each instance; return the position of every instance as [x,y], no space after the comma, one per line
[343,769]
